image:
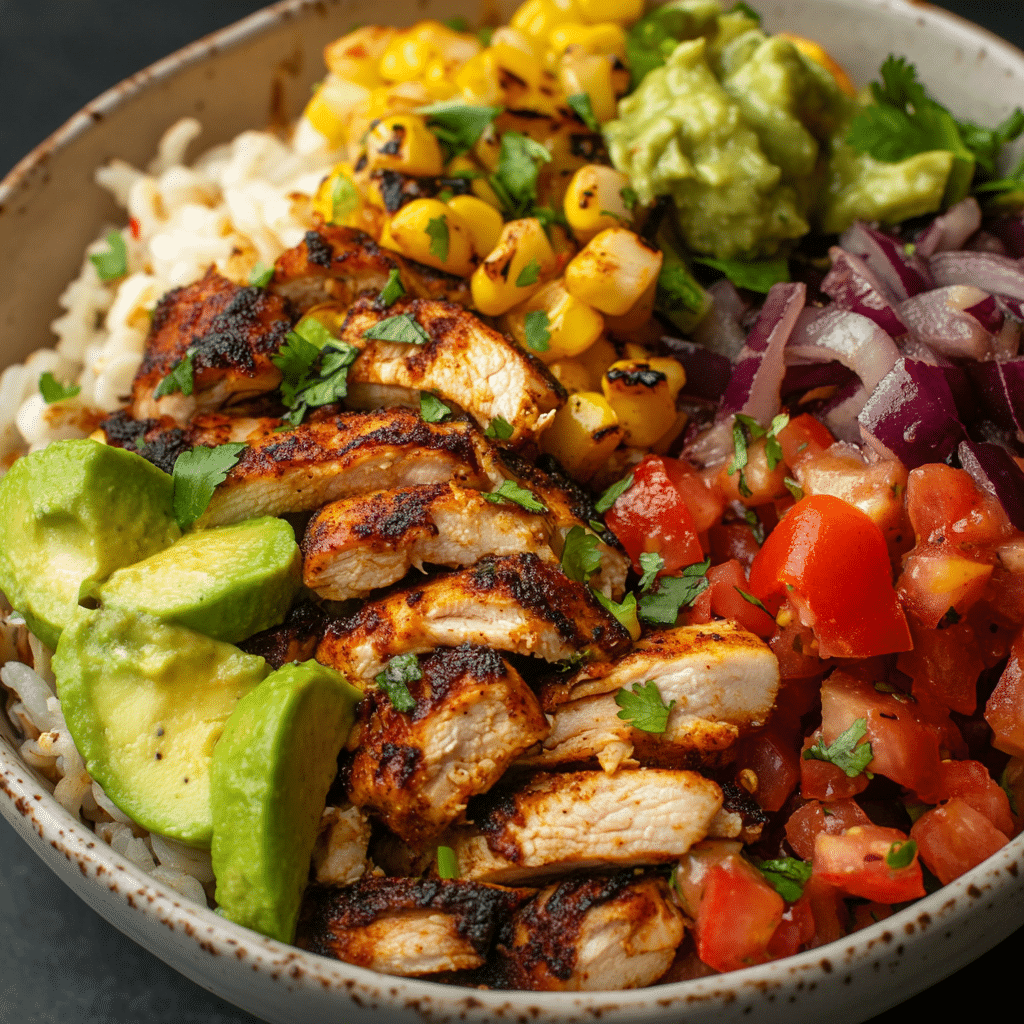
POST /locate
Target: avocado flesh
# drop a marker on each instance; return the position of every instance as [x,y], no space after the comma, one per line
[145,703]
[271,772]
[227,583]
[70,515]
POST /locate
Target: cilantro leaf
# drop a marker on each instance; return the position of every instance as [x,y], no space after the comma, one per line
[772,448]
[447,863]
[457,126]
[901,854]
[629,197]
[786,875]
[401,327]
[432,409]
[530,274]
[845,753]
[662,605]
[394,679]
[196,474]
[314,366]
[678,295]
[739,458]
[609,497]
[344,198]
[113,263]
[259,276]
[794,488]
[742,8]
[181,377]
[624,611]
[515,180]
[437,229]
[986,143]
[535,326]
[499,428]
[652,563]
[580,557]
[53,391]
[394,289]
[511,491]
[643,707]
[754,275]
[581,105]
[750,599]
[755,524]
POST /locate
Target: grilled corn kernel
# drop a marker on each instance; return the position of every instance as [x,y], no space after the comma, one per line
[622,11]
[332,106]
[583,434]
[597,359]
[404,143]
[816,52]
[514,269]
[572,375]
[637,324]
[482,220]
[515,52]
[536,18]
[593,201]
[406,58]
[607,38]
[438,80]
[612,271]
[590,73]
[356,56]
[572,326]
[447,43]
[664,443]
[430,232]
[478,80]
[642,399]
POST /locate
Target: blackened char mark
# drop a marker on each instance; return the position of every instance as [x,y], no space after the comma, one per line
[295,639]
[390,516]
[491,813]
[397,765]
[157,441]
[398,189]
[318,250]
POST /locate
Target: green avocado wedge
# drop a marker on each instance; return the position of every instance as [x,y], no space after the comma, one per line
[227,583]
[271,772]
[145,703]
[70,515]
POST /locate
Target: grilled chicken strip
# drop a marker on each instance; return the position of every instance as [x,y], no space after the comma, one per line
[718,679]
[562,822]
[358,544]
[339,856]
[337,264]
[583,934]
[513,603]
[405,926]
[295,639]
[353,453]
[417,769]
[231,332]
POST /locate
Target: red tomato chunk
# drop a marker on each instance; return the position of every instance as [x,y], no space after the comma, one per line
[859,863]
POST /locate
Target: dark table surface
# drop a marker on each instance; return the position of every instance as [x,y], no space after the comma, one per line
[60,963]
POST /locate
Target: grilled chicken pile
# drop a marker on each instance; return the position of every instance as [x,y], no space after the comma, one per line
[508,753]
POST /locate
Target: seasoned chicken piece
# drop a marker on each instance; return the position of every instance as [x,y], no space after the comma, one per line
[514,603]
[719,680]
[354,453]
[461,360]
[417,769]
[358,544]
[295,639]
[337,264]
[231,332]
[339,856]
[587,934]
[405,926]
[562,822]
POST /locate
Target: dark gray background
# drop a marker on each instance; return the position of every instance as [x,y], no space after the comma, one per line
[60,963]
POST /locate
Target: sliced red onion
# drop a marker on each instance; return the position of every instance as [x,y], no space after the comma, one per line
[987,312]
[997,275]
[721,329]
[939,319]
[1000,386]
[1009,231]
[840,415]
[754,386]
[856,341]
[994,470]
[983,241]
[852,286]
[887,258]
[912,415]
[951,229]
[801,377]
[707,373]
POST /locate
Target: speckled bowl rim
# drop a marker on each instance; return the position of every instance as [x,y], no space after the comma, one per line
[122,893]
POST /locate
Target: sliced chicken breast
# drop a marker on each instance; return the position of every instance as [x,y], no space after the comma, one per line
[358,544]
[513,603]
[562,822]
[295,639]
[590,933]
[417,769]
[339,856]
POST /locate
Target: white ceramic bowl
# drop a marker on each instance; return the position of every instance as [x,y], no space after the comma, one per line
[51,200]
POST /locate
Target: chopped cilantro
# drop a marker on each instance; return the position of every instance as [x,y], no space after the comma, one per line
[457,126]
[580,557]
[901,854]
[786,875]
[772,448]
[610,496]
[394,289]
[624,611]
[437,229]
[652,563]
[746,9]
[535,326]
[755,601]
[755,524]
[662,605]
[629,197]
[581,105]
[113,263]
[447,863]
[739,458]
[344,198]
[846,752]
[794,488]
[530,274]
[432,409]
[196,474]
[401,327]
[511,491]
[395,678]
[499,428]
[259,276]
[314,367]
[180,378]
[643,707]
[53,391]
[754,275]
[515,180]
[678,295]
[456,24]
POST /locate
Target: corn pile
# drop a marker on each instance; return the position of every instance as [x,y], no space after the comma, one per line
[557,264]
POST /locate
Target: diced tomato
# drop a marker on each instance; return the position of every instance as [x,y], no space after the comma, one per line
[772,756]
[761,483]
[829,909]
[971,782]
[652,515]
[937,579]
[812,818]
[954,838]
[830,559]
[1005,595]
[822,780]
[699,613]
[867,914]
[706,504]
[733,540]
[943,502]
[855,862]
[944,664]
[795,929]
[803,437]
[1004,710]
[796,648]
[726,583]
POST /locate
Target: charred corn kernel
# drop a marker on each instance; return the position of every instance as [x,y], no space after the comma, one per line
[332,106]
[572,375]
[488,149]
[478,80]
[536,18]
[356,56]
[613,270]
[664,443]
[438,80]
[674,372]
[430,232]
[515,52]
[482,220]
[642,399]
[816,52]
[406,58]
[607,38]
[572,326]
[387,101]
[637,324]
[597,359]
[514,269]
[456,47]
[623,11]
[404,143]
[579,71]
[593,201]
[583,434]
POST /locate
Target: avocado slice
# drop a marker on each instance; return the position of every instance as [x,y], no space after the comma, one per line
[145,702]
[227,582]
[70,515]
[271,772]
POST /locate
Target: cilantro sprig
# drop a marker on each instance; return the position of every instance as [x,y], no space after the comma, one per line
[511,491]
[53,391]
[401,327]
[196,474]
[580,557]
[113,262]
[181,378]
[314,367]
[662,605]
[392,290]
[846,752]
[581,105]
[437,230]
[652,563]
[612,494]
[395,678]
[643,707]
[457,126]
[536,329]
[499,429]
[432,409]
[745,429]
[786,875]
[754,275]
[515,179]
